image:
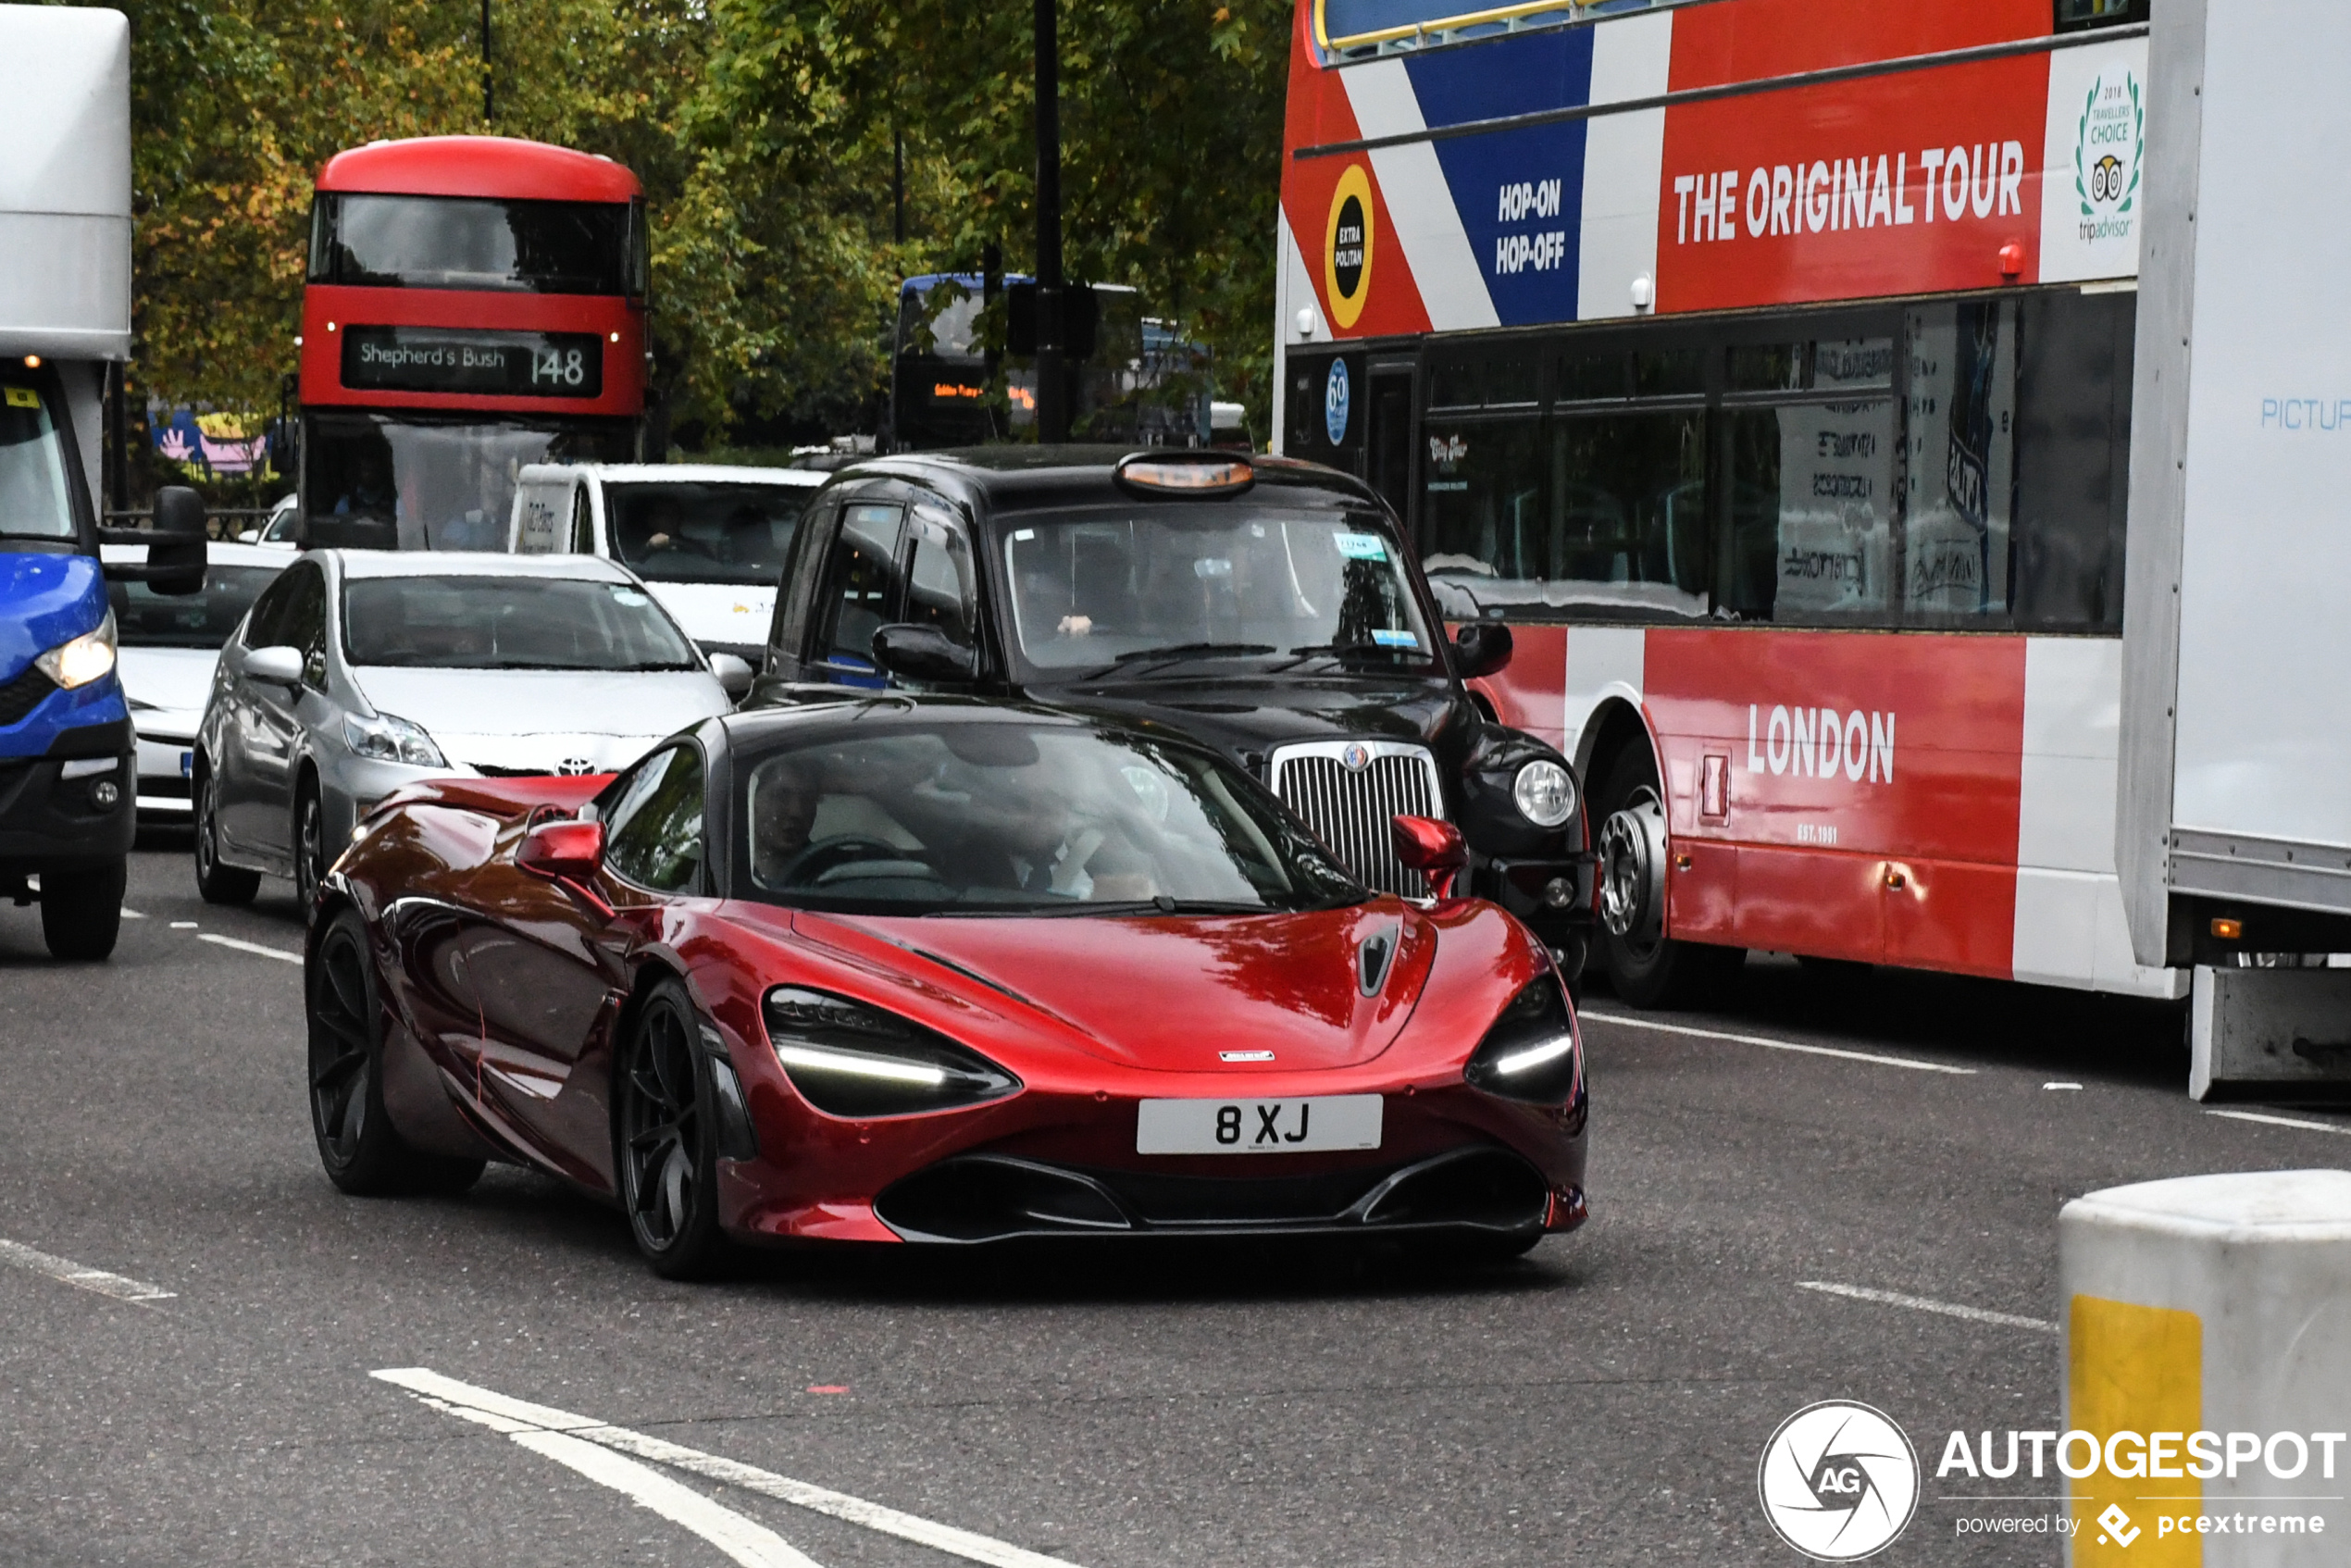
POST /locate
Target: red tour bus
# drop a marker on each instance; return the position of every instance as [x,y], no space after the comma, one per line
[475,303]
[1766,366]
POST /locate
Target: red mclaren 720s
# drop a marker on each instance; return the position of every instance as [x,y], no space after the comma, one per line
[928,969]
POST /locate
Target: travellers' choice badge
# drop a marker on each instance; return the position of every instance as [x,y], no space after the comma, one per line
[1347,246]
[1838,1481]
[2109,145]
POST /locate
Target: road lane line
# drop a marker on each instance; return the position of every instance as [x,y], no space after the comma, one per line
[2281,1121]
[478,1404]
[744,1539]
[1923,1304]
[72,1273]
[281,955]
[1774,1044]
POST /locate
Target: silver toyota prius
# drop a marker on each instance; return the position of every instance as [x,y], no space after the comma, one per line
[359,671]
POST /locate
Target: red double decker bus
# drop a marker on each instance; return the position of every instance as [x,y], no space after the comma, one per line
[474,304]
[1767,365]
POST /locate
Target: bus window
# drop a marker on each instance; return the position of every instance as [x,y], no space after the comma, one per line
[1486,543]
[446,485]
[1960,457]
[2072,459]
[461,242]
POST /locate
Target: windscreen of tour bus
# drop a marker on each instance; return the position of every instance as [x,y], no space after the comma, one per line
[442,484]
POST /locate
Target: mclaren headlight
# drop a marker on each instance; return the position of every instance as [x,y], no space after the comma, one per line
[848,1059]
[1544,792]
[1531,1053]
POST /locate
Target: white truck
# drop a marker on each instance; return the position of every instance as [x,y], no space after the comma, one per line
[2232,827]
[710,539]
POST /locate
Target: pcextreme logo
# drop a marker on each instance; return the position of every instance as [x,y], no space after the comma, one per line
[1838,1481]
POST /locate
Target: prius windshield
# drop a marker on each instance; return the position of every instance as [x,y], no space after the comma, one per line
[1157,585]
[902,815]
[508,623]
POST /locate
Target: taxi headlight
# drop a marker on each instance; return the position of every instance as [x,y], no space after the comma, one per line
[1544,792]
[848,1059]
[1531,1052]
[87,658]
[389,738]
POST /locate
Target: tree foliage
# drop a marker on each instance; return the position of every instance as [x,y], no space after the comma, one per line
[764,131]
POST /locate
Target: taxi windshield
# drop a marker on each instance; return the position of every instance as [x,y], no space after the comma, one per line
[1006,817]
[1153,586]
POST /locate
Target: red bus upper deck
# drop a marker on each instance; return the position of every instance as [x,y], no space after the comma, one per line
[474,304]
[1767,365]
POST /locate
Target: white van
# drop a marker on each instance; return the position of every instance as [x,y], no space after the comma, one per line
[709,539]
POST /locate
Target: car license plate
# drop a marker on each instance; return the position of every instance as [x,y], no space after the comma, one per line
[187,763]
[1258,1126]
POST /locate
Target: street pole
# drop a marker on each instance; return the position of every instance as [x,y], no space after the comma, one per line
[489,103]
[897,183]
[1052,391]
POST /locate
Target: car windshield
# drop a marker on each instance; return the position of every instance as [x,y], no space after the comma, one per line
[144,618]
[1100,590]
[989,817]
[508,623]
[446,486]
[34,502]
[702,532]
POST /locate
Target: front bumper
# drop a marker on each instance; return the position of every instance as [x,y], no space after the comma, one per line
[51,822]
[166,768]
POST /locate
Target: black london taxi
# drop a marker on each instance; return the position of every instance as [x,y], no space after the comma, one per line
[1261,605]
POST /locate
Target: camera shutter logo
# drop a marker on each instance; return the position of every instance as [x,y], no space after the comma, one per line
[1347,247]
[1838,1481]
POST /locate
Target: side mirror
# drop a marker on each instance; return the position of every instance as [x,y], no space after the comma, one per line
[561,851]
[1481,648]
[733,674]
[1431,848]
[279,664]
[175,545]
[178,512]
[923,653]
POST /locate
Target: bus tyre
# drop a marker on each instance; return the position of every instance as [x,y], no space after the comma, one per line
[1646,967]
[81,911]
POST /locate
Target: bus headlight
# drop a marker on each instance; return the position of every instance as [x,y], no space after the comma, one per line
[87,658]
[1545,794]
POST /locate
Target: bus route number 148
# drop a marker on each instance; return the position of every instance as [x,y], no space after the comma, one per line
[558,366]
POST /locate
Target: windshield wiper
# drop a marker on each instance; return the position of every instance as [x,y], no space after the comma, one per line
[1180,651]
[1339,650]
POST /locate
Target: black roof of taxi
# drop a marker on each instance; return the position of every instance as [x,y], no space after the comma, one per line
[1021,477]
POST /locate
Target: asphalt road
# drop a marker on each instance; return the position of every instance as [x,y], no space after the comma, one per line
[1603,1401]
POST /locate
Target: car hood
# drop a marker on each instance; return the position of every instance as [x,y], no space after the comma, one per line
[44,600]
[175,679]
[1187,987]
[1258,712]
[541,718]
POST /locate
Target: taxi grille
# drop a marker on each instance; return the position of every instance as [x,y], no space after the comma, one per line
[21,696]
[1351,809]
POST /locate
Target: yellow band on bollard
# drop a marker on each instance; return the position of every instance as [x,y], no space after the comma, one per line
[2133,1369]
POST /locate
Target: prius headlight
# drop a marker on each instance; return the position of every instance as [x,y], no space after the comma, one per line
[1531,1053]
[390,737]
[851,1059]
[87,658]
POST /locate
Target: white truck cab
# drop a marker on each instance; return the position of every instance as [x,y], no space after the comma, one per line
[708,538]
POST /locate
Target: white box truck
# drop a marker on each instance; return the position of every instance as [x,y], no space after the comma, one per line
[2233,823]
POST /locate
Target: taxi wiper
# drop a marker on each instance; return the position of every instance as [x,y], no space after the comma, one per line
[1339,650]
[1187,650]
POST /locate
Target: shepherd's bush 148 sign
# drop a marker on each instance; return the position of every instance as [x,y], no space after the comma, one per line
[440,359]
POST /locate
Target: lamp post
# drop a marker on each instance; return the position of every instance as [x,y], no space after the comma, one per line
[489,103]
[1053,389]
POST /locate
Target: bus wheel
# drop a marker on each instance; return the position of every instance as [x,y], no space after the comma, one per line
[1648,969]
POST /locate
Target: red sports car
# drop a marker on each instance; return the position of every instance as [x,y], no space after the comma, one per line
[929,969]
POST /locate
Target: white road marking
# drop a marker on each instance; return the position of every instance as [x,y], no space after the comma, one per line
[1774,1044]
[2281,1121]
[1923,1304]
[282,954]
[2060,1086]
[492,1409]
[72,1273]
[183,925]
[130,914]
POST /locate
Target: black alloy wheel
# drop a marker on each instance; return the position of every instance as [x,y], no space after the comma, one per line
[667,1152]
[310,847]
[215,882]
[1646,967]
[362,1153]
[81,911]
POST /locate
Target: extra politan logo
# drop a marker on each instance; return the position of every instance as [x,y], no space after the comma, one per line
[1838,1481]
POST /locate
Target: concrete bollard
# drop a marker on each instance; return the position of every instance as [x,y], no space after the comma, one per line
[2207,1359]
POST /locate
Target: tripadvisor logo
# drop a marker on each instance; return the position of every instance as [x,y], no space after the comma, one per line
[2109,144]
[1838,1481]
